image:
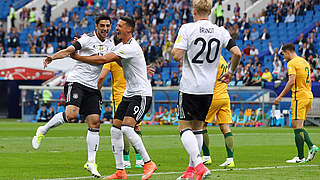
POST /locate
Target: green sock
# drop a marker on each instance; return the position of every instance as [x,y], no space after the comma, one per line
[138,156]
[307,139]
[228,138]
[137,153]
[126,158]
[126,149]
[205,146]
[299,139]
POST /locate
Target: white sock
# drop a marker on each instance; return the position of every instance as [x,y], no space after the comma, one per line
[117,146]
[93,144]
[190,162]
[199,137]
[190,143]
[136,142]
[55,121]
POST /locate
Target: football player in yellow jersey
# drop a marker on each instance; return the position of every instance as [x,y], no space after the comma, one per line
[300,83]
[220,108]
[118,87]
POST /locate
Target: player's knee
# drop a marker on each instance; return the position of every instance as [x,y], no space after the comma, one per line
[71,115]
[126,130]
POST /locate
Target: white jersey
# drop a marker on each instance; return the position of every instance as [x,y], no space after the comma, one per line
[84,73]
[134,69]
[202,42]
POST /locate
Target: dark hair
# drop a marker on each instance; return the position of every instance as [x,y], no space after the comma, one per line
[289,47]
[130,22]
[102,17]
[116,40]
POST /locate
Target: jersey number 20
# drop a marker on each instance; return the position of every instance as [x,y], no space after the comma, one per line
[204,44]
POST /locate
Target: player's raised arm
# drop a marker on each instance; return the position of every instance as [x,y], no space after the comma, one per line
[177,54]
[96,59]
[59,55]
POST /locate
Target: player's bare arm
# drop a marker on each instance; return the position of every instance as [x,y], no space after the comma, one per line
[289,85]
[110,57]
[102,77]
[235,60]
[150,70]
[59,55]
[177,54]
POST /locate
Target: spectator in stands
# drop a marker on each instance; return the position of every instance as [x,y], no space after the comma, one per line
[159,82]
[246,35]
[290,17]
[10,52]
[174,79]
[60,33]
[228,23]
[235,31]
[254,51]
[219,14]
[24,18]
[33,49]
[51,113]
[235,18]
[283,75]
[88,11]
[246,51]
[107,115]
[256,80]
[67,33]
[312,76]
[254,34]
[51,30]
[2,50]
[18,52]
[253,19]
[304,51]
[247,79]
[120,11]
[275,53]
[266,76]
[158,115]
[84,22]
[50,49]
[13,39]
[301,40]
[256,62]
[262,17]
[317,28]
[42,114]
[236,9]
[265,35]
[65,16]
[2,36]
[46,9]
[244,24]
[310,45]
[317,75]
[238,76]
[40,44]
[278,17]
[276,67]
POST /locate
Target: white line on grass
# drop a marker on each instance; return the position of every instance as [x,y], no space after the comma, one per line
[216,170]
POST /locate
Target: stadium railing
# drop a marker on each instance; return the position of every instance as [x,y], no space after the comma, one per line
[242,98]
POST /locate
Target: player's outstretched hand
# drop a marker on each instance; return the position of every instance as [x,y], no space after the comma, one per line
[47,61]
[277,101]
[75,56]
[150,70]
[226,77]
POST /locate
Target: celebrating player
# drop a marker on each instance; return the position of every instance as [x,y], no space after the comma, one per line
[199,44]
[81,91]
[302,97]
[220,108]
[136,99]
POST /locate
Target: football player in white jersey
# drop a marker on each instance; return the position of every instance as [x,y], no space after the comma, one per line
[136,99]
[81,91]
[199,45]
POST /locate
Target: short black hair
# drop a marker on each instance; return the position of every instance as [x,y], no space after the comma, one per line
[102,17]
[130,22]
[289,47]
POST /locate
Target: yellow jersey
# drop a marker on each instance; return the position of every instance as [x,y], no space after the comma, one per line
[302,86]
[220,89]
[117,79]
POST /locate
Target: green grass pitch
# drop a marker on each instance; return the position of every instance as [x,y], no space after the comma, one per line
[64,151]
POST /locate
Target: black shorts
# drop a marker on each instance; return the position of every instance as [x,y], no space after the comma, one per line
[136,107]
[89,100]
[193,107]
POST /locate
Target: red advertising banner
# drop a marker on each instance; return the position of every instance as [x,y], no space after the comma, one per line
[23,73]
